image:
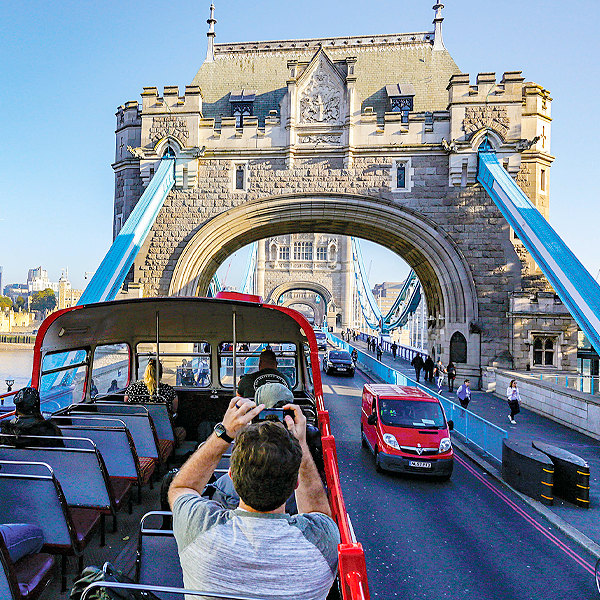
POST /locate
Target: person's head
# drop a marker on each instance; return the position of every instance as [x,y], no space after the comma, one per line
[467,382]
[513,383]
[151,378]
[267,360]
[264,465]
[273,394]
[27,401]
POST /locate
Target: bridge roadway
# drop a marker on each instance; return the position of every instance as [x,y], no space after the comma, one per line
[467,538]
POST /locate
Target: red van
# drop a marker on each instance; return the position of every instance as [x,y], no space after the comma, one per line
[406,429]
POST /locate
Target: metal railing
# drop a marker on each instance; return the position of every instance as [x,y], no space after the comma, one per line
[589,384]
[472,428]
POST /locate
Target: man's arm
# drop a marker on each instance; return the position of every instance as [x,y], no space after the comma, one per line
[196,472]
[310,493]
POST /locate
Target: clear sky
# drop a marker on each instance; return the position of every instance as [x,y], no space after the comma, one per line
[66,66]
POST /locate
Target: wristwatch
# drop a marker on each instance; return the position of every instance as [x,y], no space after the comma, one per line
[221,432]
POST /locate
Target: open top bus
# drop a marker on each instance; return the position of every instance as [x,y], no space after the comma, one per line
[86,356]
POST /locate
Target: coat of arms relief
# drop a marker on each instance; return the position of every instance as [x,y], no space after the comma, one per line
[320,101]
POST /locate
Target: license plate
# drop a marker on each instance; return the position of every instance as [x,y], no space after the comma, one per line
[420,464]
[341,368]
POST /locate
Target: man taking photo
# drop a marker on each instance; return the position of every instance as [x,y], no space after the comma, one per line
[257,549]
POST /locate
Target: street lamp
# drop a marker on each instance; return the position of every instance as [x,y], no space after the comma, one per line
[10,383]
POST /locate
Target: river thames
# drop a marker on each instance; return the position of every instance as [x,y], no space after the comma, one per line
[15,363]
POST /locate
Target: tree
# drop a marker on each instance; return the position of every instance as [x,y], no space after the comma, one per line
[5,302]
[19,302]
[44,300]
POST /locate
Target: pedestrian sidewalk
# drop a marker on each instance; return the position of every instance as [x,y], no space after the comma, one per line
[530,426]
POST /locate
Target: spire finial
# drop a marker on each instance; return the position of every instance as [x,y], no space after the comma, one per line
[210,50]
[438,40]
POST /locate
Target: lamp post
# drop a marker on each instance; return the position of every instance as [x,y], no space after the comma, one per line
[9,384]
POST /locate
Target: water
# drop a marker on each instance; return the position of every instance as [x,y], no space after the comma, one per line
[15,363]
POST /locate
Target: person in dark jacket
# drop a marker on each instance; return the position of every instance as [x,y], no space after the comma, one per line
[417,363]
[428,365]
[451,370]
[29,421]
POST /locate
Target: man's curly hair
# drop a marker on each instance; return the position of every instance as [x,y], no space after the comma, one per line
[264,465]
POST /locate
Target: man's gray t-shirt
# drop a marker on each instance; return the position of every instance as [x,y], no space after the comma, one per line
[270,556]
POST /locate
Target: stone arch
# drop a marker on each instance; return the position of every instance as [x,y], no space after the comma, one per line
[441,267]
[495,139]
[168,142]
[311,305]
[313,286]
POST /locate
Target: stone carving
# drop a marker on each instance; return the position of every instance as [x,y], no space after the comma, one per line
[173,126]
[320,101]
[522,178]
[449,147]
[526,144]
[320,139]
[481,117]
[136,152]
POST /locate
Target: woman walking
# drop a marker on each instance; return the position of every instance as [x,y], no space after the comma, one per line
[514,398]
[439,373]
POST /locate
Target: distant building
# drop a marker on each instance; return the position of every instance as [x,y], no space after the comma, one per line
[67,296]
[37,281]
[386,293]
[14,290]
[0,278]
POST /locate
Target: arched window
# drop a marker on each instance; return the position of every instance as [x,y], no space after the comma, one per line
[543,351]
[169,153]
[458,348]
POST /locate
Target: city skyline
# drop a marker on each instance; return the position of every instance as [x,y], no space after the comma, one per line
[77,59]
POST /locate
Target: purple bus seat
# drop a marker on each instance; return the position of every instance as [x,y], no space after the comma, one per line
[157,557]
[116,444]
[140,426]
[31,493]
[79,456]
[24,573]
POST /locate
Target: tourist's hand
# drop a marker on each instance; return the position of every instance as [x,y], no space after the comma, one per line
[297,425]
[240,412]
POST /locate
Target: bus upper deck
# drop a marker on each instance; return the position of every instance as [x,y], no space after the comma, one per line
[86,356]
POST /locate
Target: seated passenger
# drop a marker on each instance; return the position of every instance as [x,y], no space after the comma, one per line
[262,551]
[267,372]
[114,387]
[28,420]
[150,389]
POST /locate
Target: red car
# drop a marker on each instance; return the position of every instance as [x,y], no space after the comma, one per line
[406,429]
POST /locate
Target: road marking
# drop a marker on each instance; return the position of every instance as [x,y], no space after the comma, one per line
[550,536]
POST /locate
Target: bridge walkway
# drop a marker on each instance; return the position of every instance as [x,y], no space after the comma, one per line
[530,426]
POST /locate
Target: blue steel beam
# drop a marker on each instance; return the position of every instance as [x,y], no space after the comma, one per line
[577,289]
[109,277]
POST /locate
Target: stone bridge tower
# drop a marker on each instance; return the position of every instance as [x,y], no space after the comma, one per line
[374,136]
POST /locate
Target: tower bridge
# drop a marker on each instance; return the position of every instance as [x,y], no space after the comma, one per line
[376,137]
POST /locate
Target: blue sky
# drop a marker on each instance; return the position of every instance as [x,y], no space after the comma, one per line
[67,66]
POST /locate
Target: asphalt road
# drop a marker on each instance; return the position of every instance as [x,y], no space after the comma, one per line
[467,538]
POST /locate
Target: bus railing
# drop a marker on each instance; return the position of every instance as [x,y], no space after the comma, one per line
[475,430]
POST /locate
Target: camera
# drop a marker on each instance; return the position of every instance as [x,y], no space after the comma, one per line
[273,414]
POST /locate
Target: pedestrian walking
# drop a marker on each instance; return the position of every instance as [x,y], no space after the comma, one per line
[451,370]
[463,393]
[379,351]
[394,350]
[417,363]
[439,373]
[428,366]
[514,401]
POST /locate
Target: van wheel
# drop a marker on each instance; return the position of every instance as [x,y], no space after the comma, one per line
[363,439]
[378,467]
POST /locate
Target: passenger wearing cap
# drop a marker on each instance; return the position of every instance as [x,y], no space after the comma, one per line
[29,421]
[267,373]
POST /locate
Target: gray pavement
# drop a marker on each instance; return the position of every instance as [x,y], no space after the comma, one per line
[579,523]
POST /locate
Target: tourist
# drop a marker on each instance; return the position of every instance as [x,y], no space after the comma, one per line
[428,366]
[514,401]
[278,555]
[379,351]
[463,393]
[439,372]
[29,421]
[394,350]
[417,363]
[267,372]
[150,389]
[451,370]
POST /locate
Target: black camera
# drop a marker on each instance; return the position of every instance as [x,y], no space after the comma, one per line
[273,414]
